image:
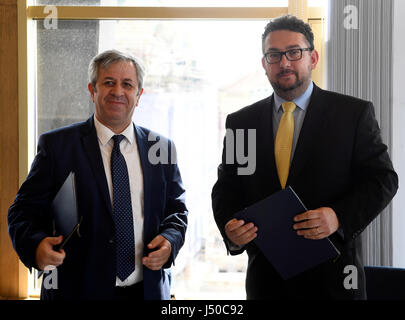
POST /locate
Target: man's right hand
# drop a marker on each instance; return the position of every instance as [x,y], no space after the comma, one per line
[45,255]
[239,232]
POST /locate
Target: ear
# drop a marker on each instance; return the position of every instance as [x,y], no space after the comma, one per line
[92,90]
[137,98]
[314,58]
[264,63]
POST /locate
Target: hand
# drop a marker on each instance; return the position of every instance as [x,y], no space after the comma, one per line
[316,224]
[239,232]
[45,255]
[156,259]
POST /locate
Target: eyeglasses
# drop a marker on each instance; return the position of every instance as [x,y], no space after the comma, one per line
[291,55]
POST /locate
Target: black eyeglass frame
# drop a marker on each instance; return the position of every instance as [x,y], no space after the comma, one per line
[284,53]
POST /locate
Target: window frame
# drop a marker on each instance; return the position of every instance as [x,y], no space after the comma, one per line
[27,14]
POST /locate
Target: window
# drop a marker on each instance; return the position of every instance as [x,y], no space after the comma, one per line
[169,3]
[189,89]
[198,71]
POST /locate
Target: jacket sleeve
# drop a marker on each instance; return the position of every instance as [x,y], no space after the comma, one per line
[174,225]
[28,216]
[227,194]
[375,181]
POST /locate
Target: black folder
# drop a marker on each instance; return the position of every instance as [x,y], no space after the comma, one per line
[289,253]
[64,211]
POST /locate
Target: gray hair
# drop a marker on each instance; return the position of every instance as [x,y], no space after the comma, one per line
[106,58]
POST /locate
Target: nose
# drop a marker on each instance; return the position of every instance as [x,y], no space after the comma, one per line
[116,90]
[284,62]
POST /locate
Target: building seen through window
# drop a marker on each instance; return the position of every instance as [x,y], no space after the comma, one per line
[197,72]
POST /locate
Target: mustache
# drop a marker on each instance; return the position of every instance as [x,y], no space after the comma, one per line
[287,71]
[116,99]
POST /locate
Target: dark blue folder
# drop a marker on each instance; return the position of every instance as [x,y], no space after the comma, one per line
[65,216]
[64,211]
[289,253]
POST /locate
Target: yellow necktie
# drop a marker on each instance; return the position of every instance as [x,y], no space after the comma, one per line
[283,143]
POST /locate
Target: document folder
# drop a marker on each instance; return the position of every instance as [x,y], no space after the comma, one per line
[289,253]
[64,211]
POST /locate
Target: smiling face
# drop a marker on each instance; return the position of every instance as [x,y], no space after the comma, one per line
[289,79]
[116,95]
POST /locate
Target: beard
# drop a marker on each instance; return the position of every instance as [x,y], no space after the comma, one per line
[278,86]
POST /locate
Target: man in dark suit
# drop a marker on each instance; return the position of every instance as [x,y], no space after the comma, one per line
[132,205]
[327,147]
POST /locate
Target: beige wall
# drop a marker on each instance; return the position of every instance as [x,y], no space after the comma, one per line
[318,27]
[13,278]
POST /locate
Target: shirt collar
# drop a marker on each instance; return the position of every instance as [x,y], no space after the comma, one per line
[302,101]
[105,134]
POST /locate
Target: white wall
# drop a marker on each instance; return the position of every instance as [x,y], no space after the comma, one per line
[399,132]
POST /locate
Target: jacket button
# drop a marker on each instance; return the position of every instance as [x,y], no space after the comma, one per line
[111,241]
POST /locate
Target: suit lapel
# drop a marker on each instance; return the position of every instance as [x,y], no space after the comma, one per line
[311,133]
[143,148]
[267,140]
[92,150]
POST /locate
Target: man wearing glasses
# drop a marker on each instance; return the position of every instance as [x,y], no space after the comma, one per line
[327,147]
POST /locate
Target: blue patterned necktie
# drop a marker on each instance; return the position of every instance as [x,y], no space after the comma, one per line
[122,213]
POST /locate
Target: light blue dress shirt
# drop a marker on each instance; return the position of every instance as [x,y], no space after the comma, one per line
[302,103]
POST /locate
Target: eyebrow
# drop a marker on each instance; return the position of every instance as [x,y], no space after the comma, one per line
[111,78]
[294,46]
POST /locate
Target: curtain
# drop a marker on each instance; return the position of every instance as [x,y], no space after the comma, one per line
[359,63]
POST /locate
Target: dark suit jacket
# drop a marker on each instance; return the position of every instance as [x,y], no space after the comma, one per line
[339,162]
[88,271]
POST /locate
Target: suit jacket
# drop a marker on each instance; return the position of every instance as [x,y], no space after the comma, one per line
[339,162]
[89,269]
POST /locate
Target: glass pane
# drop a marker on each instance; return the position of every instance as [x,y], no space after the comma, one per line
[63,58]
[197,73]
[168,3]
[317,3]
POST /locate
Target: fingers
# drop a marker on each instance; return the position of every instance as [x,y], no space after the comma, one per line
[308,224]
[156,241]
[156,259]
[314,233]
[239,232]
[234,224]
[316,224]
[308,215]
[54,240]
[55,258]
[45,254]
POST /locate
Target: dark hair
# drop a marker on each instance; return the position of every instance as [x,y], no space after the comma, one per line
[291,23]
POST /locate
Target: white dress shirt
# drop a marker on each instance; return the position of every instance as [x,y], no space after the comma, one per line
[129,150]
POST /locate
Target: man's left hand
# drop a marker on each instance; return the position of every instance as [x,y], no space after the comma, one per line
[316,224]
[156,259]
